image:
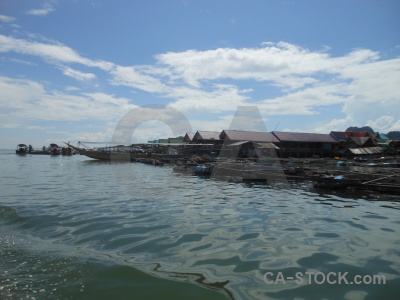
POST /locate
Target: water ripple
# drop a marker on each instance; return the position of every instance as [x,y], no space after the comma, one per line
[199,230]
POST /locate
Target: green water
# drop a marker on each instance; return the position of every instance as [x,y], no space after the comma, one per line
[74,228]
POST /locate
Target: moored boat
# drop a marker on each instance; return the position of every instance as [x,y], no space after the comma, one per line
[39,152]
[21,149]
[54,150]
[122,153]
[44,151]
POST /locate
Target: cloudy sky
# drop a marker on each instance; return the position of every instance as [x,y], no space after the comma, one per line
[70,70]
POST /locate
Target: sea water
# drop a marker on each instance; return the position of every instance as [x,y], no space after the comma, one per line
[77,228]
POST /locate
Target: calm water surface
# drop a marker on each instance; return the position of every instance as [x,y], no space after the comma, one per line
[75,228]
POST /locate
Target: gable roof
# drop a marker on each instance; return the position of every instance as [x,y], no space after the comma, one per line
[304,137]
[206,135]
[360,141]
[339,135]
[253,136]
[188,136]
[383,136]
[257,145]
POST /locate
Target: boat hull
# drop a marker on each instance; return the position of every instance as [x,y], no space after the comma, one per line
[40,152]
[123,156]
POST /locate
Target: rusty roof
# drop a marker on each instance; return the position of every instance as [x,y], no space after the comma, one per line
[262,145]
[254,136]
[206,135]
[304,137]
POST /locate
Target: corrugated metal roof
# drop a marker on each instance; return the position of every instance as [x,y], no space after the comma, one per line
[375,135]
[267,146]
[206,135]
[378,135]
[364,151]
[238,143]
[357,134]
[360,140]
[254,136]
[304,137]
[383,136]
[256,145]
[188,136]
[339,135]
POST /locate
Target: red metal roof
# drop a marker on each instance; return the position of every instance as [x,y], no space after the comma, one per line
[357,134]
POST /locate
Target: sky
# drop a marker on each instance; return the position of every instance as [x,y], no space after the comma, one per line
[71,70]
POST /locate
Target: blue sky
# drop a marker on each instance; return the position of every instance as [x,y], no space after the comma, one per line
[70,70]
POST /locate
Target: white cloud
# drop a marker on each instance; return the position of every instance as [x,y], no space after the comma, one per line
[71,88]
[384,124]
[101,98]
[24,100]
[151,130]
[335,125]
[304,102]
[307,80]
[222,98]
[218,81]
[282,64]
[11,125]
[102,135]
[130,76]
[45,10]
[6,19]
[35,127]
[23,62]
[147,131]
[77,74]
[216,124]
[52,53]
[395,126]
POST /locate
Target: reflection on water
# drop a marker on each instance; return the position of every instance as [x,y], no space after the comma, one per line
[116,219]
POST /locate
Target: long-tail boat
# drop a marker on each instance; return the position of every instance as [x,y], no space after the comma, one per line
[121,153]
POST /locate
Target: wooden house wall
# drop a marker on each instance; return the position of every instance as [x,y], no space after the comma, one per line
[306,149]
